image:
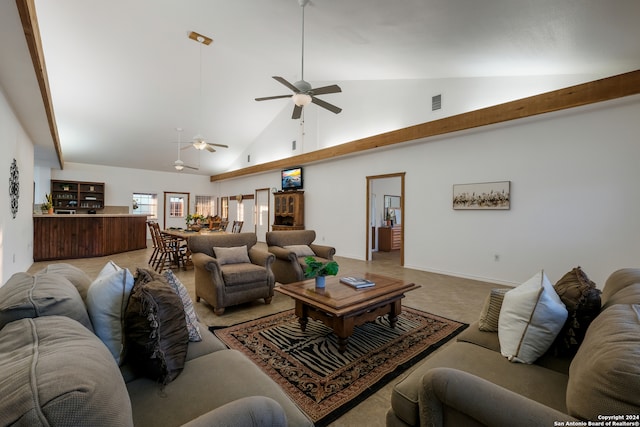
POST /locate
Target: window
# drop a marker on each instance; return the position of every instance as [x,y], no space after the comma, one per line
[224,207]
[176,207]
[147,204]
[205,205]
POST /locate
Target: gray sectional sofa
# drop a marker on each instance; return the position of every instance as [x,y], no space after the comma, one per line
[470,382]
[57,372]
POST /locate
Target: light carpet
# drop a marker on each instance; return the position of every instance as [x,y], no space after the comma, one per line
[323,382]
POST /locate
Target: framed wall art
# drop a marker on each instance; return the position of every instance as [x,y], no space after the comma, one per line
[484,195]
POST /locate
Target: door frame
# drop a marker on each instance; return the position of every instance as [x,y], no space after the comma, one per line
[400,175]
[164,207]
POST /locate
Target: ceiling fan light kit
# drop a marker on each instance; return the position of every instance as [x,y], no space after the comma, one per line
[303,92]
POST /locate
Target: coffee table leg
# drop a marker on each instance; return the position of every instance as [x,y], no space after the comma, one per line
[396,309]
[301,312]
[342,344]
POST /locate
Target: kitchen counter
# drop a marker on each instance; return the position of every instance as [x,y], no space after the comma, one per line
[63,236]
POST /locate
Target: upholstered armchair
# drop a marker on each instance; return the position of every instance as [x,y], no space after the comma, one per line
[229,270]
[290,249]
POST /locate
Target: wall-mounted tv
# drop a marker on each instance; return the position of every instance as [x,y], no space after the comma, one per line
[292,178]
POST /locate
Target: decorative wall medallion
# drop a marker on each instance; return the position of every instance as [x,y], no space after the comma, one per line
[14,187]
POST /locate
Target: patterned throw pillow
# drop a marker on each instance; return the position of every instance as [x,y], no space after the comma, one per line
[582,299]
[189,310]
[491,311]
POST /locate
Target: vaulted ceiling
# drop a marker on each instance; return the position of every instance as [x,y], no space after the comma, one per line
[123,74]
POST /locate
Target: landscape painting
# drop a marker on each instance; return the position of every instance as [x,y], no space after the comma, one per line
[485,195]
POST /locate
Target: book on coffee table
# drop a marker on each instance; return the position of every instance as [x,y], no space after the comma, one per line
[357,282]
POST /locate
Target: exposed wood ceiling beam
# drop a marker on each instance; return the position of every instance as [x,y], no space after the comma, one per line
[27,11]
[574,96]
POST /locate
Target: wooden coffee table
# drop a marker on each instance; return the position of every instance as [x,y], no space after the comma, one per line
[342,307]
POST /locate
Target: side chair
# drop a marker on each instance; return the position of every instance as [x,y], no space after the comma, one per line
[229,270]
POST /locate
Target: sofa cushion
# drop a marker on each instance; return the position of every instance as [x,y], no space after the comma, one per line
[617,281]
[582,299]
[491,310]
[234,274]
[531,317]
[604,377]
[156,331]
[206,383]
[300,250]
[187,303]
[106,302]
[25,295]
[231,255]
[77,277]
[55,372]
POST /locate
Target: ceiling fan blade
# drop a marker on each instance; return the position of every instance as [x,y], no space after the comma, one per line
[287,84]
[186,147]
[297,112]
[266,98]
[209,148]
[326,105]
[191,167]
[326,89]
[219,145]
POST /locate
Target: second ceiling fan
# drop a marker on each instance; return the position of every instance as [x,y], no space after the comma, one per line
[303,93]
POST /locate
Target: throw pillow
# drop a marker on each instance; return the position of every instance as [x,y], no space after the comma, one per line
[106,302]
[57,373]
[25,295]
[187,303]
[156,331]
[491,311]
[232,255]
[531,317]
[300,250]
[582,299]
[76,276]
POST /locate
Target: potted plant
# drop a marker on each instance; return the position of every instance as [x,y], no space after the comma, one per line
[318,270]
[47,206]
[196,218]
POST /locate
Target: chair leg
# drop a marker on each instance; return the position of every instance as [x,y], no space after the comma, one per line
[218,311]
[267,300]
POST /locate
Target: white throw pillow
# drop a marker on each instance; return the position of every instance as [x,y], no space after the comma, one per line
[531,317]
[107,299]
[300,250]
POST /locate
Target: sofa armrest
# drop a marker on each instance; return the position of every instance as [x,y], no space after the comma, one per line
[254,411]
[261,258]
[451,394]
[282,253]
[323,251]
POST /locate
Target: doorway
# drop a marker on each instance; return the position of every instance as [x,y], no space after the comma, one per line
[176,209]
[385,202]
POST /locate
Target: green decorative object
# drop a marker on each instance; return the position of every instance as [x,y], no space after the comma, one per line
[319,269]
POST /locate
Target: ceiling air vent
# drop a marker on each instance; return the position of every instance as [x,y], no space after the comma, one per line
[436,102]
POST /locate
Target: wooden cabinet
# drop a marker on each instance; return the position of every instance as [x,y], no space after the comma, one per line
[288,210]
[389,238]
[77,195]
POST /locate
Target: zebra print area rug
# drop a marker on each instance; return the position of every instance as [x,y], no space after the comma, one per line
[324,383]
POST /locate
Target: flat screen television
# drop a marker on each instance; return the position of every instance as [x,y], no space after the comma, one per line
[292,178]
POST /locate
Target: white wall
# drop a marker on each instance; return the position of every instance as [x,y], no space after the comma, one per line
[375,107]
[574,186]
[16,234]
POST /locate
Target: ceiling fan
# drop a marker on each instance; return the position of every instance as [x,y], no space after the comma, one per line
[303,93]
[179,164]
[199,143]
